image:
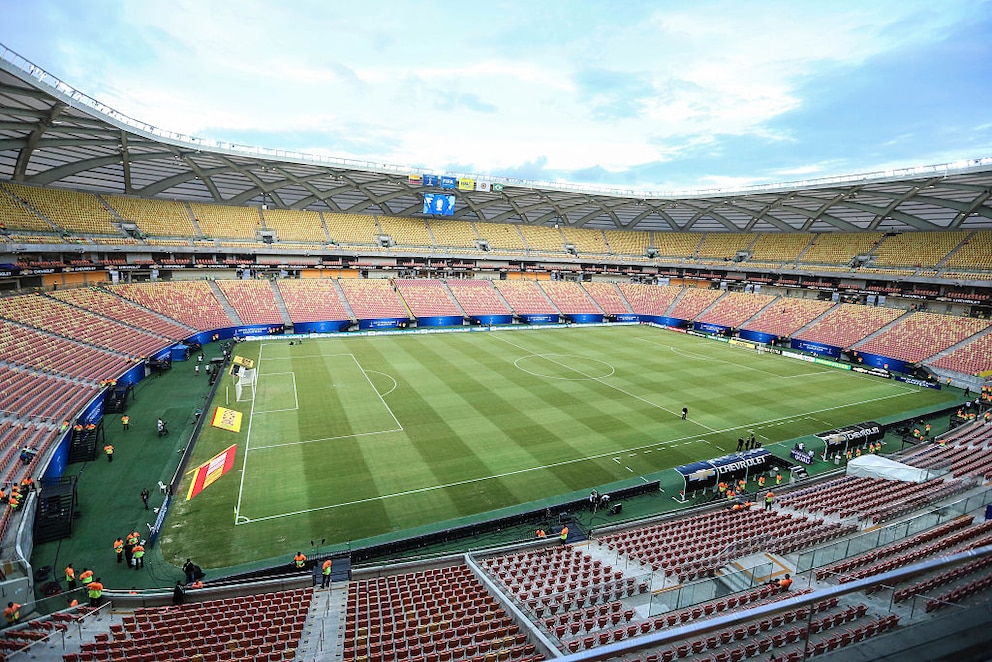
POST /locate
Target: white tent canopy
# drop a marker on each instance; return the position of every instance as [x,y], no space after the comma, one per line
[874,466]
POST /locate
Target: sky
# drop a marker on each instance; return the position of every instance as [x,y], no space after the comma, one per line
[655,95]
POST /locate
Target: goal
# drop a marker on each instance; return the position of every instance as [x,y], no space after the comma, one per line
[244,385]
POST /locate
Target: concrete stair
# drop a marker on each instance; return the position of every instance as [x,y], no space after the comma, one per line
[225,304]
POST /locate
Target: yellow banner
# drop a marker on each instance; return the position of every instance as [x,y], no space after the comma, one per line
[226,419]
[466,184]
[242,361]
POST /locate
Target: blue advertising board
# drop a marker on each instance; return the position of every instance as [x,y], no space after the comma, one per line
[489,320]
[884,362]
[440,320]
[539,319]
[706,327]
[758,336]
[381,323]
[585,318]
[820,349]
[326,326]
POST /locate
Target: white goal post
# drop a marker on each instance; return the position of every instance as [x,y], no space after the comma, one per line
[244,385]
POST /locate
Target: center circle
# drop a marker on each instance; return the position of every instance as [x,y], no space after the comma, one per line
[564,366]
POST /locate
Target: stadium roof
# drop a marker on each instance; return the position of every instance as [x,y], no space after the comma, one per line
[54,135]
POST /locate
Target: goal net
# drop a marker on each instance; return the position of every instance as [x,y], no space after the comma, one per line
[244,385]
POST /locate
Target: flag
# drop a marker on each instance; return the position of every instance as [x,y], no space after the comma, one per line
[226,419]
[465,184]
[481,186]
[415,180]
[211,470]
[497,187]
[449,182]
[432,180]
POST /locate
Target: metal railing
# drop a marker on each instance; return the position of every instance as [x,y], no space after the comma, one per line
[659,639]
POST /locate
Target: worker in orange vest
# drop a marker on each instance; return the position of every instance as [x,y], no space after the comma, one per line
[769,498]
[564,534]
[95,589]
[70,577]
[12,613]
[300,560]
[109,450]
[119,549]
[139,556]
[325,571]
[86,576]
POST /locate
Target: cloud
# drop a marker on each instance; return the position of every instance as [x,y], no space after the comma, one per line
[656,94]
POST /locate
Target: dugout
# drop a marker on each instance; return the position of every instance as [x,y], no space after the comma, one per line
[707,474]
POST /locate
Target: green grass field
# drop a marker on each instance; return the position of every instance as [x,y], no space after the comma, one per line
[353,437]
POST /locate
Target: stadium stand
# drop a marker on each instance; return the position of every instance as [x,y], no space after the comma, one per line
[839,248]
[253,299]
[14,215]
[352,229]
[964,452]
[227,222]
[779,247]
[29,395]
[971,359]
[788,315]
[916,249]
[846,324]
[102,302]
[921,335]
[649,299]
[974,254]
[407,231]
[690,547]
[157,218]
[477,297]
[192,303]
[724,245]
[427,298]
[453,234]
[312,300]
[955,535]
[682,245]
[502,237]
[569,297]
[586,242]
[69,321]
[373,299]
[735,308]
[75,212]
[628,243]
[21,345]
[295,225]
[693,302]
[265,626]
[607,296]
[542,239]
[444,612]
[525,297]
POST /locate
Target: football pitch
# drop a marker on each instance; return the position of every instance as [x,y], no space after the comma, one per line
[351,437]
